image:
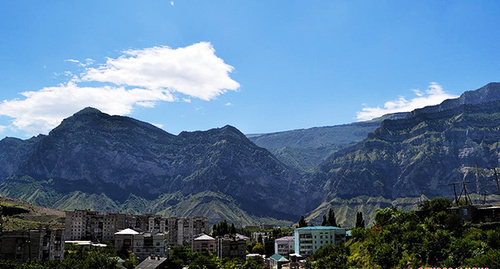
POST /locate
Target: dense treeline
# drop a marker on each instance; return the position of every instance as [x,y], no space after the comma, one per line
[431,237]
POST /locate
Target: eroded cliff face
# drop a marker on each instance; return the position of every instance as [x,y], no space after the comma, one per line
[13,151]
[95,153]
[422,153]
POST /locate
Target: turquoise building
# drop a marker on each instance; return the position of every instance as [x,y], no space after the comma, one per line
[311,238]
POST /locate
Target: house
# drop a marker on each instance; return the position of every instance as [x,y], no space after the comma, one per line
[40,244]
[311,238]
[231,246]
[277,261]
[203,243]
[284,245]
[477,213]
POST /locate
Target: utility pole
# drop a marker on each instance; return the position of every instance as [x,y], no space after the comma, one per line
[463,191]
[478,184]
[496,179]
[455,191]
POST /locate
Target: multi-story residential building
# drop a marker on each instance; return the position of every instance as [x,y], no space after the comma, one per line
[231,246]
[148,244]
[203,243]
[183,230]
[40,244]
[124,240]
[284,245]
[309,239]
[260,236]
[101,227]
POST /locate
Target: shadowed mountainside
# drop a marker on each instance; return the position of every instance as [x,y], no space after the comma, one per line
[116,157]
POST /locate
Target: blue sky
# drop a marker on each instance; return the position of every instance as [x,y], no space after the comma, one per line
[261,66]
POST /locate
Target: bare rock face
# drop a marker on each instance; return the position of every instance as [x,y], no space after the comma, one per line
[93,152]
[423,152]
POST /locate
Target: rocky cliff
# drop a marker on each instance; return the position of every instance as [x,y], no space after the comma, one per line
[422,153]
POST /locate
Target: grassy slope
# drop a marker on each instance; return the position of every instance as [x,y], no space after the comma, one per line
[35,217]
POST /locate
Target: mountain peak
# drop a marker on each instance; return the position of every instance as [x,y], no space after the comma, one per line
[489,92]
[88,110]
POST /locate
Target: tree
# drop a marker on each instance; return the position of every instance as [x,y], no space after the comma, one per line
[258,248]
[331,256]
[131,262]
[220,228]
[331,218]
[324,222]
[360,222]
[302,222]
[232,230]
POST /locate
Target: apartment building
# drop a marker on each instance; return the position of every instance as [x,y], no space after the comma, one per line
[203,243]
[309,239]
[232,246]
[150,244]
[284,245]
[40,244]
[101,227]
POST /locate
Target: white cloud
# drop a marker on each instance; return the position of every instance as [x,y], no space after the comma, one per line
[137,78]
[159,125]
[2,128]
[172,3]
[42,110]
[228,104]
[432,96]
[194,71]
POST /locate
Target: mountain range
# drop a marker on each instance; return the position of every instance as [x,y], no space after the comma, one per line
[305,149]
[119,161]
[113,163]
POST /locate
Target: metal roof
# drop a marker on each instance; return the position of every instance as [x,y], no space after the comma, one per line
[127,231]
[320,228]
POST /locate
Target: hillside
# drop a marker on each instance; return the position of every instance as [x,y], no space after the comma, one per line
[422,153]
[305,149]
[105,162]
[16,214]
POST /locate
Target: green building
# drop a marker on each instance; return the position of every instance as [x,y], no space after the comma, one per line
[309,239]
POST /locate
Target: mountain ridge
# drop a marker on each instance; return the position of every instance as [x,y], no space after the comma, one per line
[119,156]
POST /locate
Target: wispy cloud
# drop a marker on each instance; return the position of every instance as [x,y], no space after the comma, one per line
[137,78]
[172,3]
[433,95]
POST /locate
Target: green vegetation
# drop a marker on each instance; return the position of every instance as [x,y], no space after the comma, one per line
[399,239]
[302,222]
[181,256]
[74,257]
[329,220]
[223,228]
